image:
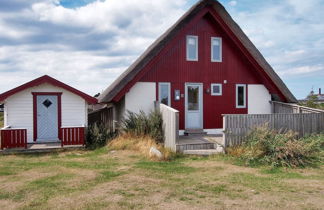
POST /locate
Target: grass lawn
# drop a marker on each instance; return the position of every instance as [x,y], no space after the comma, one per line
[1,119]
[102,179]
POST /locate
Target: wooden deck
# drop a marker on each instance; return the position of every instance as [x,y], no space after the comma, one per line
[41,148]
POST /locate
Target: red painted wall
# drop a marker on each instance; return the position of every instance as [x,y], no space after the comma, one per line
[171,66]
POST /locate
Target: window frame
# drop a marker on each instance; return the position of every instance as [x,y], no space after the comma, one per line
[187,48]
[236,96]
[220,49]
[169,92]
[220,89]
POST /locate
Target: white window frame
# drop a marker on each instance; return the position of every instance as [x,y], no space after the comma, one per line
[236,96]
[220,49]
[187,48]
[169,87]
[220,89]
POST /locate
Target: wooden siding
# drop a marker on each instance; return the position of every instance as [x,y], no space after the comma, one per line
[103,116]
[172,67]
[236,127]
[19,109]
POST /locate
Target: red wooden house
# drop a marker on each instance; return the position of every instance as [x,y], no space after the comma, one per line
[204,66]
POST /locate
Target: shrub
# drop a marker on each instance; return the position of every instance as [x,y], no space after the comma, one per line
[264,146]
[98,136]
[144,125]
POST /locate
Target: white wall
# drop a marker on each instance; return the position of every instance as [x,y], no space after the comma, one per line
[19,108]
[141,97]
[258,100]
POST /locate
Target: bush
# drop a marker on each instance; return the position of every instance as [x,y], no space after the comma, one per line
[264,146]
[98,136]
[144,125]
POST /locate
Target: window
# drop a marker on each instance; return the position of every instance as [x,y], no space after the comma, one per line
[216,49]
[192,48]
[240,96]
[164,93]
[216,89]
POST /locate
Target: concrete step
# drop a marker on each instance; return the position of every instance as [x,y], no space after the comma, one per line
[203,152]
[190,132]
[199,146]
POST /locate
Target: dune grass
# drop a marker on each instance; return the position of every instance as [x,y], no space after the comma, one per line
[125,179]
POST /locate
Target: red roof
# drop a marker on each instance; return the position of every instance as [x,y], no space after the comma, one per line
[52,81]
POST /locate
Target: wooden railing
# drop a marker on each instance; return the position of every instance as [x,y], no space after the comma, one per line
[13,138]
[237,126]
[279,107]
[72,136]
[170,118]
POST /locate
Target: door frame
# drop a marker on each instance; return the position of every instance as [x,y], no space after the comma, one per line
[201,102]
[59,112]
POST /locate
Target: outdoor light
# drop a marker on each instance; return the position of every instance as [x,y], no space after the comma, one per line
[177,95]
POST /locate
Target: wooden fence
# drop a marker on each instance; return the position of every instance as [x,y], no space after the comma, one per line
[103,116]
[236,127]
[279,107]
[170,118]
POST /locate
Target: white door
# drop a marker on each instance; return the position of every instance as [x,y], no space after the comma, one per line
[47,118]
[193,106]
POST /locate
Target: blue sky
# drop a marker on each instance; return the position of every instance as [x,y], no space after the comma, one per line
[88,43]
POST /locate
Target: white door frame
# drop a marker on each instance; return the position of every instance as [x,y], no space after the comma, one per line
[201,105]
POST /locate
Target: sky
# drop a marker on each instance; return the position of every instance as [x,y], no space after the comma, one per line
[89,43]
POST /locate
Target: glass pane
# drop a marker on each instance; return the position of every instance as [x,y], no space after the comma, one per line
[216,89]
[164,94]
[193,98]
[192,48]
[240,96]
[216,53]
[47,103]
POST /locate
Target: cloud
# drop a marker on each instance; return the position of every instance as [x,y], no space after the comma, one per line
[88,43]
[86,46]
[232,3]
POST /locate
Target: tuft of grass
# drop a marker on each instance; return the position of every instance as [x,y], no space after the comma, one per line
[141,144]
[270,147]
[142,124]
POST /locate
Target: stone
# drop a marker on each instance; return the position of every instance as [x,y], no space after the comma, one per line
[154,152]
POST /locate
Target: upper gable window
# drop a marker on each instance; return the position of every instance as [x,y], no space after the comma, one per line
[192,48]
[216,49]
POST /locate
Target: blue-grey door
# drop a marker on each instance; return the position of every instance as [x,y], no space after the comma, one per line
[47,118]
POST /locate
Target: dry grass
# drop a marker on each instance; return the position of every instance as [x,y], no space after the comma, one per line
[125,179]
[1,119]
[141,144]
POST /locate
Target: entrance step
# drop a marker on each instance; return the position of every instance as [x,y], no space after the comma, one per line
[197,146]
[189,132]
[203,152]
